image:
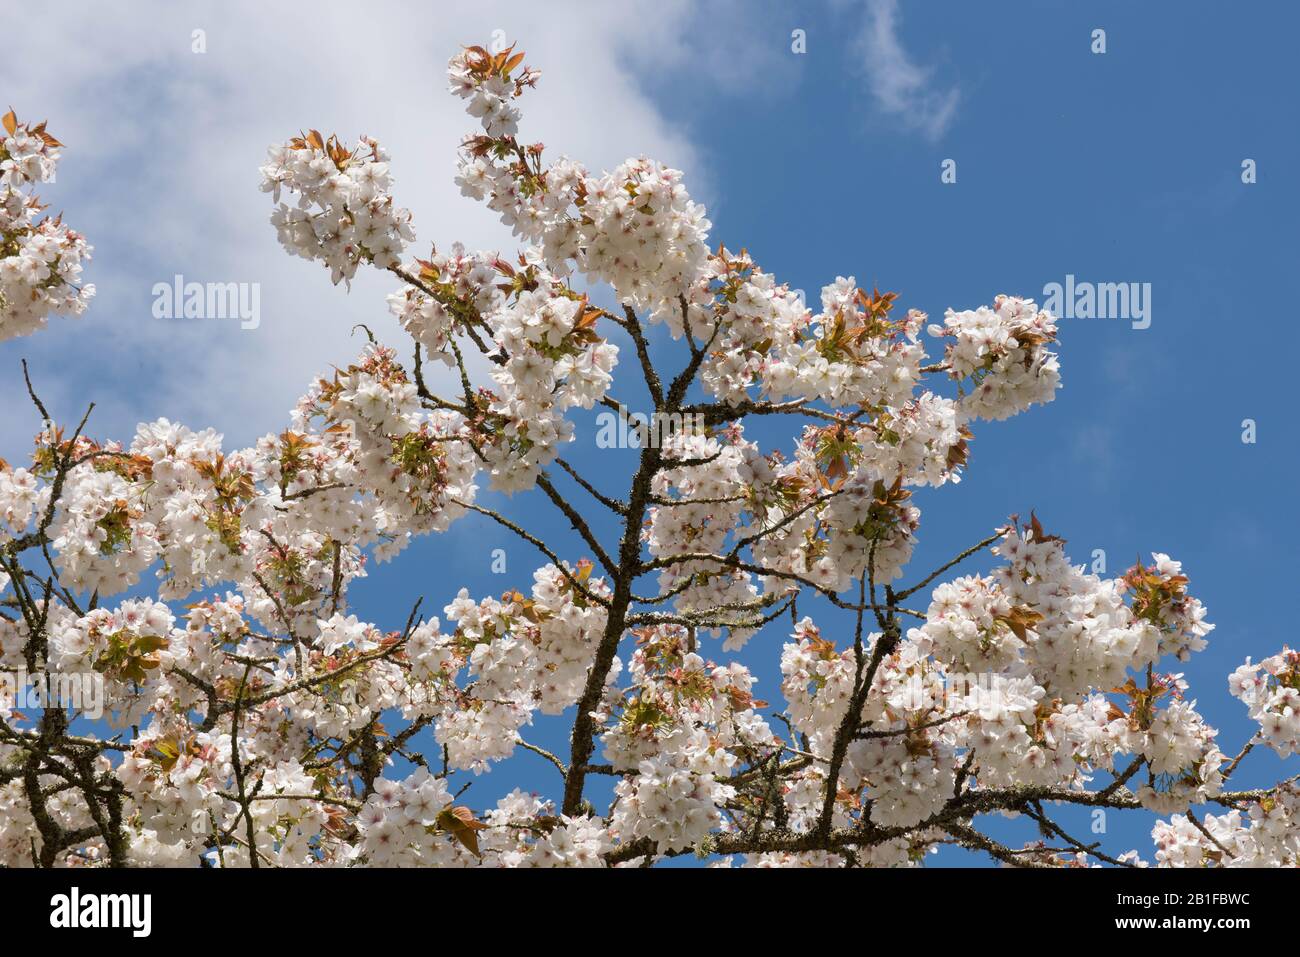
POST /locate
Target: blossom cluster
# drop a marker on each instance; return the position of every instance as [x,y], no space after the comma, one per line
[343,214]
[414,823]
[41,259]
[1001,352]
[634,227]
[684,725]
[1263,835]
[1270,689]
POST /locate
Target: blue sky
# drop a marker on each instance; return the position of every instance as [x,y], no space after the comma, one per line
[1118,167]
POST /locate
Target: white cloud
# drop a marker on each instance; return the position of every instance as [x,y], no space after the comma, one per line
[899,86]
[160,171]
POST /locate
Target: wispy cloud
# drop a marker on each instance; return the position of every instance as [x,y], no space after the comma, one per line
[898,84]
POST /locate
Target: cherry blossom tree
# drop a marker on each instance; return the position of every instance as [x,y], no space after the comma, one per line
[253,721]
